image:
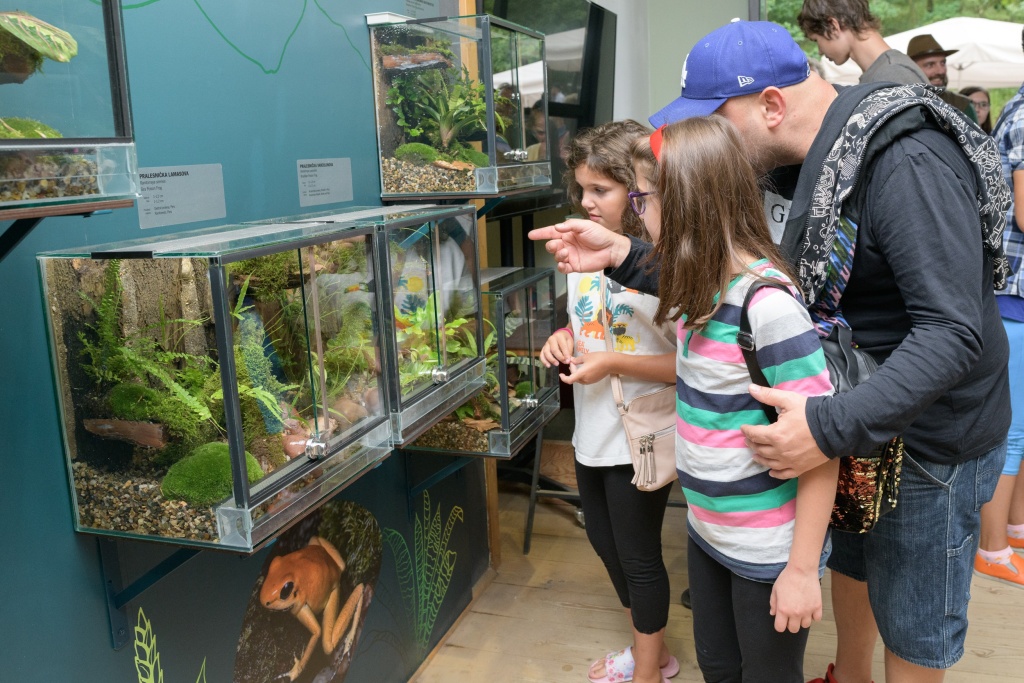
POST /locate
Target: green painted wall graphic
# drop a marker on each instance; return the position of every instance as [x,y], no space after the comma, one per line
[147,659]
[425,574]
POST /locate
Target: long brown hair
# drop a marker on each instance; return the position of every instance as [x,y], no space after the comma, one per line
[605,149]
[711,211]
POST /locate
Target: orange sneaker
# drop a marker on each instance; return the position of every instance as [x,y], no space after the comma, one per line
[1017,544]
[1011,574]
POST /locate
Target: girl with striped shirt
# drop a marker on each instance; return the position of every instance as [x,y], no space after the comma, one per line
[757,545]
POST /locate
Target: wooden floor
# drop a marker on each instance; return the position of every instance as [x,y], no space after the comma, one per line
[544,617]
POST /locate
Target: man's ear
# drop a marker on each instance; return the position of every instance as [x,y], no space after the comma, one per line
[773,106]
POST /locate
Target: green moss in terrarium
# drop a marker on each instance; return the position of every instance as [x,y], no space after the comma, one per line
[472,156]
[524,389]
[16,128]
[416,153]
[130,401]
[204,477]
[268,275]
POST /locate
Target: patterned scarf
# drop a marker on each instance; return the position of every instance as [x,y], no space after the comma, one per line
[826,253]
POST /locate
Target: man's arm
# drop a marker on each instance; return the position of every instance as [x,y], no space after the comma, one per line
[925,223]
[637,270]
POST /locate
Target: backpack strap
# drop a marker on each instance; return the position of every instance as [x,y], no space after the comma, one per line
[745,340]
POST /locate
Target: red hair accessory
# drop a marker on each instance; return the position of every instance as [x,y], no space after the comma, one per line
[656,139]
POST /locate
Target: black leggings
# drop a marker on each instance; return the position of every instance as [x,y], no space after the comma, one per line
[624,526]
[733,630]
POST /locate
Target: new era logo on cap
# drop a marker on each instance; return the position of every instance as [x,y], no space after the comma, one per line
[740,58]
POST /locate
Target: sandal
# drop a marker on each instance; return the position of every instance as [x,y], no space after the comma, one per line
[618,667]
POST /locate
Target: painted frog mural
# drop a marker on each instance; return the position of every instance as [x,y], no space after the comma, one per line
[306,610]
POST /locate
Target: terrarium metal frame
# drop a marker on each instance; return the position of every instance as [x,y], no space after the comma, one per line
[118,149]
[253,513]
[451,385]
[520,424]
[493,180]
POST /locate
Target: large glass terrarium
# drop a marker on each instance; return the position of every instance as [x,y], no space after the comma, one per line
[451,101]
[521,395]
[431,318]
[216,385]
[65,121]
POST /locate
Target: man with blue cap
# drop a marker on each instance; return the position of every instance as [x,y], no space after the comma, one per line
[889,204]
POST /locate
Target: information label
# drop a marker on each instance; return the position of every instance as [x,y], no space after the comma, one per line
[418,9]
[324,181]
[180,194]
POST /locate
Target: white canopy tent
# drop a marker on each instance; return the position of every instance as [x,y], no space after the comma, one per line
[564,52]
[989,54]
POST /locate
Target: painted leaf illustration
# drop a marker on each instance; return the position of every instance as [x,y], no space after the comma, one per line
[47,40]
[404,567]
[584,309]
[202,672]
[147,659]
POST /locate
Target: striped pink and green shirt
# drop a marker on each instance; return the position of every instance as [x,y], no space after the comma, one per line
[738,513]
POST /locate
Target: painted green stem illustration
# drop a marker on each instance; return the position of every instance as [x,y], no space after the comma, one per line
[425,574]
[147,659]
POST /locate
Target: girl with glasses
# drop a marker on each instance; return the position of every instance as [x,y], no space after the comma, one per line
[982,106]
[623,523]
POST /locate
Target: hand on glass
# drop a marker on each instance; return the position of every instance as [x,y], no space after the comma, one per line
[787,447]
[583,246]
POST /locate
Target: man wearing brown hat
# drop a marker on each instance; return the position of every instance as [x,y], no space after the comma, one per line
[931,58]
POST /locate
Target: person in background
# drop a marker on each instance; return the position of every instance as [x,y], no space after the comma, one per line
[982,104]
[929,55]
[846,29]
[623,522]
[1002,518]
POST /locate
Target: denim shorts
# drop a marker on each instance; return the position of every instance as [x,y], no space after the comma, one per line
[919,558]
[1015,441]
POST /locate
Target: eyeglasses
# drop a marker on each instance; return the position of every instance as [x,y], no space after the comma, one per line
[638,201]
[980,105]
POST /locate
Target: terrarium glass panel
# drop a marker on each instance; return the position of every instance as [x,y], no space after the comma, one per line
[65,120]
[520,395]
[450,121]
[435,323]
[216,385]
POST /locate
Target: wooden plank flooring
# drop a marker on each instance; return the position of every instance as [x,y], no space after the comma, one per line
[546,616]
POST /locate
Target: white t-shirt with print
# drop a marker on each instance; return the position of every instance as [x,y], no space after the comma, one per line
[599,438]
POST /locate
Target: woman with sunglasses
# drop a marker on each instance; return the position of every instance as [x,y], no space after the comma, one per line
[623,523]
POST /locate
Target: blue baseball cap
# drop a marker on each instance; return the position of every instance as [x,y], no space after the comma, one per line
[740,58]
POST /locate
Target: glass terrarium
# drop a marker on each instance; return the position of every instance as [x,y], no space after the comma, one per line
[453,118]
[431,318]
[65,121]
[521,395]
[216,385]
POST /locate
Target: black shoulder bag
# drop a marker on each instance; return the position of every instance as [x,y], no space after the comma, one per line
[868,484]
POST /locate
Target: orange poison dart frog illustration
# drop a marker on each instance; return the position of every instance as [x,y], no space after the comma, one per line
[307,583]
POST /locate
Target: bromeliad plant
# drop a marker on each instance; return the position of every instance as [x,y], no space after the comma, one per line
[26,41]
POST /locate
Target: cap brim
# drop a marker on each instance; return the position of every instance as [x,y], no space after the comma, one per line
[685,108]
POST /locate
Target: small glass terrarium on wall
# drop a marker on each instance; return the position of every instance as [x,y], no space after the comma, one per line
[65,121]
[521,395]
[216,385]
[456,101]
[431,314]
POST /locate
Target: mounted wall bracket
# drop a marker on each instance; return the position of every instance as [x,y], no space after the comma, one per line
[119,595]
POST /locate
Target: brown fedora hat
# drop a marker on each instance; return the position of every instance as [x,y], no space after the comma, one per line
[924,45]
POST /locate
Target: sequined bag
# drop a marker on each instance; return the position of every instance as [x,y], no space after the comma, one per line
[869,484]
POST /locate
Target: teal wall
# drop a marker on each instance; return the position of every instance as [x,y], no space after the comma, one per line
[254,86]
